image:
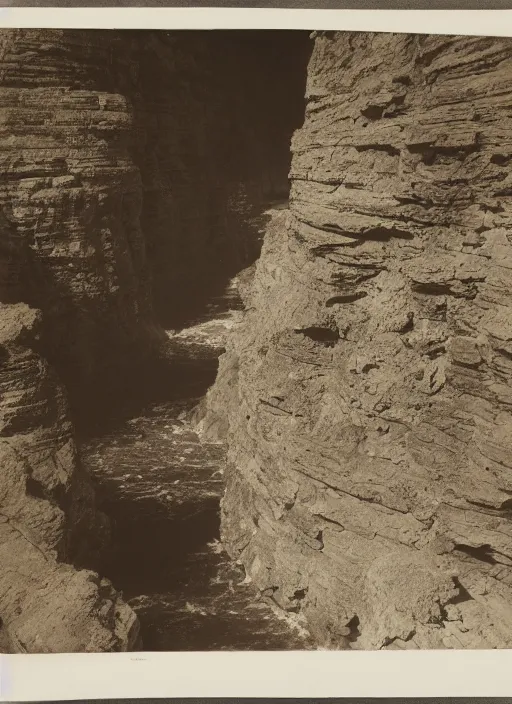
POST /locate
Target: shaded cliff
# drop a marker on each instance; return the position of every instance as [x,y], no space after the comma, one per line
[132,175]
[368,387]
[71,194]
[47,512]
[65,186]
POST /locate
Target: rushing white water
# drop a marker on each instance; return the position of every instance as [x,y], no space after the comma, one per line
[162,486]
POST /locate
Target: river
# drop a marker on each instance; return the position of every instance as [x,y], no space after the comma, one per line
[161,484]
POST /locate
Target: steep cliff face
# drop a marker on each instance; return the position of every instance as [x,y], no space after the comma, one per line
[132,171]
[69,204]
[365,396]
[368,387]
[71,193]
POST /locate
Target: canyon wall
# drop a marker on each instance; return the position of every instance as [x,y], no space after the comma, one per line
[48,517]
[71,196]
[72,285]
[133,172]
[367,389]
[132,169]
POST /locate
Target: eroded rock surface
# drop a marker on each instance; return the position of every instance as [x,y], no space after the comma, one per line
[47,512]
[73,292]
[128,171]
[368,387]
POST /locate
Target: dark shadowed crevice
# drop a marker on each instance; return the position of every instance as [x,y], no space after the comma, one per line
[354,630]
[345,298]
[463,594]
[224,158]
[213,161]
[214,113]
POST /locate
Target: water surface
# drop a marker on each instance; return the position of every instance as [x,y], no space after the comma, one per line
[162,486]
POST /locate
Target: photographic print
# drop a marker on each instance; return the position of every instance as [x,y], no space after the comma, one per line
[255,341]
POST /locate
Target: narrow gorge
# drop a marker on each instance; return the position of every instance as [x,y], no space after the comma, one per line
[255,341]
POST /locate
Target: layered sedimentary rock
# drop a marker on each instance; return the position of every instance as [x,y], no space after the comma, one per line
[133,166]
[47,512]
[130,170]
[368,388]
[71,195]
[70,288]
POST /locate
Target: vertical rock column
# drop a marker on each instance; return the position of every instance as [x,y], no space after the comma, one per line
[368,388]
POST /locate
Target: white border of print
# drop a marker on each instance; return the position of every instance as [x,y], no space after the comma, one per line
[316,674]
[471,22]
[414,673]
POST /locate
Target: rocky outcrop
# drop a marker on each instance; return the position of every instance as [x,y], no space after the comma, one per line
[368,386]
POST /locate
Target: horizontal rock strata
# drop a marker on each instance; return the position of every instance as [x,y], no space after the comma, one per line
[69,203]
[71,196]
[367,390]
[132,170]
[47,512]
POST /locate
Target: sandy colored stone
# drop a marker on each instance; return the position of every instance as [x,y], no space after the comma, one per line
[365,395]
[48,518]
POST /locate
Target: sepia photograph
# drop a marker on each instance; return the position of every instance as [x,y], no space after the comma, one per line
[255,341]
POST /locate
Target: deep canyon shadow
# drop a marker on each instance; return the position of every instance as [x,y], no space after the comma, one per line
[161,485]
[223,157]
[214,156]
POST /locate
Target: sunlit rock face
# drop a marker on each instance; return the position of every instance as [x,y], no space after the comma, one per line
[366,394]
